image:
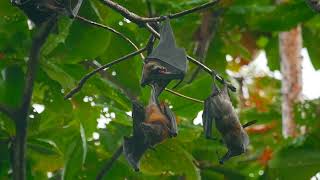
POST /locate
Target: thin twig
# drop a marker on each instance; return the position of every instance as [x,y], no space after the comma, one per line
[21,117]
[194,61]
[87,76]
[141,20]
[85,20]
[109,164]
[184,96]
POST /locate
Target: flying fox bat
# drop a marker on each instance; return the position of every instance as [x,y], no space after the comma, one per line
[151,126]
[166,62]
[219,107]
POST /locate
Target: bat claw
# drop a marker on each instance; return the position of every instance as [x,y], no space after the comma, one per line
[173,134]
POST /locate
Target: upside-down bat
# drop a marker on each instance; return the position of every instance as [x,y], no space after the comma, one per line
[166,62]
[151,126]
[160,122]
[219,107]
[38,11]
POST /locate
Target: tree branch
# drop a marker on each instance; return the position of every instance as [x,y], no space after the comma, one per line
[87,76]
[21,117]
[141,20]
[109,164]
[184,96]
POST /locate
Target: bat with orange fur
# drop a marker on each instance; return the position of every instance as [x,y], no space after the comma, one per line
[151,126]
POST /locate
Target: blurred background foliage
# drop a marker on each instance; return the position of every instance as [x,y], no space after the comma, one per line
[74,138]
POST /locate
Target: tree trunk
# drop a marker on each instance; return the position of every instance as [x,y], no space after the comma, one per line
[290,44]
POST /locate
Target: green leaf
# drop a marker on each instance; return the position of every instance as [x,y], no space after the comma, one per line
[75,158]
[169,157]
[83,41]
[272,52]
[11,86]
[311,37]
[288,163]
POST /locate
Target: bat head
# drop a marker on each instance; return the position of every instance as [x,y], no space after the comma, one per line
[152,70]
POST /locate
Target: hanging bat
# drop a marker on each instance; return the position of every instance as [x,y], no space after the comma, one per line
[39,11]
[151,126]
[166,62]
[219,107]
[160,122]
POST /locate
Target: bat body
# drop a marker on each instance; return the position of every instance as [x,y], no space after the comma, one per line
[160,122]
[219,107]
[166,62]
[151,126]
[38,11]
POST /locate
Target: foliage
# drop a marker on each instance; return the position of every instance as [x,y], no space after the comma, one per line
[60,139]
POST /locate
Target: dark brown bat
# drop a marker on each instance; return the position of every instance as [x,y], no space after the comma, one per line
[166,62]
[219,107]
[38,11]
[151,126]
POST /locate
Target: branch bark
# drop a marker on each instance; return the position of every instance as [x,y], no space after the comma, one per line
[22,114]
[141,20]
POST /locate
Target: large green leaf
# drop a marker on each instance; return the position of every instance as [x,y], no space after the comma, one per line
[170,157]
[76,156]
[11,86]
